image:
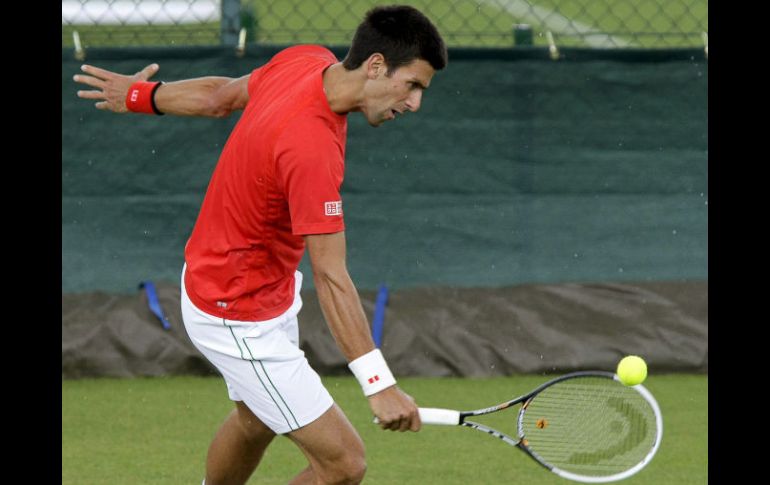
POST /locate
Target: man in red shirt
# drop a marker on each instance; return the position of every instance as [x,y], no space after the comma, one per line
[274,192]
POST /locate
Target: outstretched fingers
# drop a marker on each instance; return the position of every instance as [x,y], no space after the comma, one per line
[91,81]
[148,72]
[97,72]
[110,87]
[91,94]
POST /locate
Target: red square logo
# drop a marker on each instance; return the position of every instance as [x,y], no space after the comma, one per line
[333,208]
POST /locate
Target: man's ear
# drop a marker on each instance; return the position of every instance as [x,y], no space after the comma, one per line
[375,65]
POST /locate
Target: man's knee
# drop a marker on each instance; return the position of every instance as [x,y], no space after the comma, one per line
[356,468]
[333,447]
[348,471]
[348,467]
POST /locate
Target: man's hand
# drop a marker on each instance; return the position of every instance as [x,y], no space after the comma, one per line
[111,88]
[395,410]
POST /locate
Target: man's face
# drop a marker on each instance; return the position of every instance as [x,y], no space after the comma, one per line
[385,96]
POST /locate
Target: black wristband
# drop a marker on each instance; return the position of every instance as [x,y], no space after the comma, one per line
[152,99]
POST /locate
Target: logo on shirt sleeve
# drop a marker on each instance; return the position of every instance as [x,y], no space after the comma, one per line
[333,208]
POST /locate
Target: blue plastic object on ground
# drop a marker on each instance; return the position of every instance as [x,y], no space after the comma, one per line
[154,303]
[379,315]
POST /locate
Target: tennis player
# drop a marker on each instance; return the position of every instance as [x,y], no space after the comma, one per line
[274,192]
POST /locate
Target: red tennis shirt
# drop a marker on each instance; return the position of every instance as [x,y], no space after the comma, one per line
[278,178]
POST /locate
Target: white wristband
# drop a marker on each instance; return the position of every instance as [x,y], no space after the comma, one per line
[372,372]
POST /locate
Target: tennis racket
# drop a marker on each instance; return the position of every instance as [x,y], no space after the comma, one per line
[584,426]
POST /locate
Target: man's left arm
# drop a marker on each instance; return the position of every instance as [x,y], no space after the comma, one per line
[210,96]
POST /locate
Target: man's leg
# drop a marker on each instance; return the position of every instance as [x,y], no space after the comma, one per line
[237,448]
[333,448]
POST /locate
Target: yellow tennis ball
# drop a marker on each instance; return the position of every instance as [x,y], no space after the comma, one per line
[632,370]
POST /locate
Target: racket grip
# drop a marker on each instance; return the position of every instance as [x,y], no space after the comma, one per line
[447,417]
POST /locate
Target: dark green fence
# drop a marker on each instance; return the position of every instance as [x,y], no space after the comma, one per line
[515,170]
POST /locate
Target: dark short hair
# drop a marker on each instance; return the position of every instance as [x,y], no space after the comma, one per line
[401,34]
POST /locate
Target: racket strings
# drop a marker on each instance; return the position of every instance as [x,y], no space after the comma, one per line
[592,426]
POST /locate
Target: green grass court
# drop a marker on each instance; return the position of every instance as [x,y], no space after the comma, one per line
[156,431]
[477,23]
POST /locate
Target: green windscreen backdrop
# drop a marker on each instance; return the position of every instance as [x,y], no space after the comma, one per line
[515,170]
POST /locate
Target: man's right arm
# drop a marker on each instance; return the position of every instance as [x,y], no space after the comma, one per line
[345,317]
[211,96]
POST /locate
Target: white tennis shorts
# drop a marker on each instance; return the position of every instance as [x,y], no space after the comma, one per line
[261,363]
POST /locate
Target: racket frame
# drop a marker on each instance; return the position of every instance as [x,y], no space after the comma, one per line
[521,441]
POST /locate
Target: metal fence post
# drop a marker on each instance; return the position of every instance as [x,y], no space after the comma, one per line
[230,23]
[522,34]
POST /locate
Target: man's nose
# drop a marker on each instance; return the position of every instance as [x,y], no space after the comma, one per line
[414,100]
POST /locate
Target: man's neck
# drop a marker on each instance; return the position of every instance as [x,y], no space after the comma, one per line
[343,88]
